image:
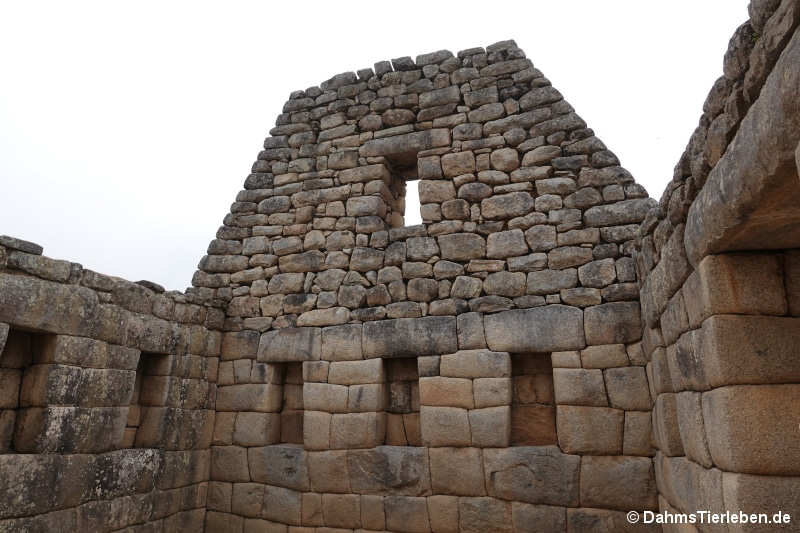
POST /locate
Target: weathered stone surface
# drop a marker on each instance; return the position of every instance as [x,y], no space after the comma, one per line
[281,465]
[389,470]
[542,329]
[515,204]
[291,344]
[622,483]
[590,430]
[532,475]
[612,323]
[457,471]
[409,337]
[462,246]
[577,386]
[444,426]
[402,144]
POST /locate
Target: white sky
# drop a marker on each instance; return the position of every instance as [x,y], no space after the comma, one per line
[126,130]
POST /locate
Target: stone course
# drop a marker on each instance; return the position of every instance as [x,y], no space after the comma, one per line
[548,350]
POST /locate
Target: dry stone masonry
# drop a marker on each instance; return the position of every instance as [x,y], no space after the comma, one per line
[548,350]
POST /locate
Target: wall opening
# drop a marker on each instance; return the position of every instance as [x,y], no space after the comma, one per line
[292,406]
[533,414]
[407,210]
[402,405]
[149,390]
[17,356]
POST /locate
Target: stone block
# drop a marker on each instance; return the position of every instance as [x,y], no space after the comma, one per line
[342,343]
[692,430]
[284,505]
[407,514]
[510,284]
[738,284]
[384,470]
[760,494]
[590,430]
[256,429]
[64,429]
[446,392]
[665,425]
[328,471]
[444,426]
[604,356]
[492,392]
[627,388]
[490,427]
[325,397]
[316,430]
[281,465]
[477,515]
[475,364]
[239,345]
[528,518]
[357,430]
[229,463]
[532,474]
[356,372]
[342,510]
[502,244]
[290,345]
[613,323]
[443,513]
[750,428]
[577,386]
[505,206]
[637,439]
[247,499]
[372,514]
[750,349]
[406,337]
[462,246]
[458,163]
[622,483]
[542,329]
[262,398]
[470,331]
[457,471]
[570,359]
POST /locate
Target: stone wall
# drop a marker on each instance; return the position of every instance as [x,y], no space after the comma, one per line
[480,371]
[492,369]
[718,261]
[107,393]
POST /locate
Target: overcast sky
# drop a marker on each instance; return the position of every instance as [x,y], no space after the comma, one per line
[126,130]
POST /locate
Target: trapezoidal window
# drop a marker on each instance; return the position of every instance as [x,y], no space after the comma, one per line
[15,358]
[533,413]
[402,405]
[292,406]
[405,209]
[149,390]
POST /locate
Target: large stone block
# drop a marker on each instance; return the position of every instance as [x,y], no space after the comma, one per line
[328,471]
[357,430]
[262,398]
[254,429]
[627,388]
[622,483]
[389,470]
[407,514]
[738,284]
[689,409]
[578,386]
[537,474]
[476,515]
[239,345]
[282,505]
[290,345]
[444,426]
[325,397]
[751,429]
[457,471]
[443,513]
[65,429]
[528,518]
[341,343]
[750,349]
[490,427]
[541,329]
[405,337]
[406,143]
[356,372]
[342,510]
[446,392]
[613,323]
[280,465]
[229,463]
[761,494]
[590,430]
[665,425]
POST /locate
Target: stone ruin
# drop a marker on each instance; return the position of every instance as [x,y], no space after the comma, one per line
[548,350]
